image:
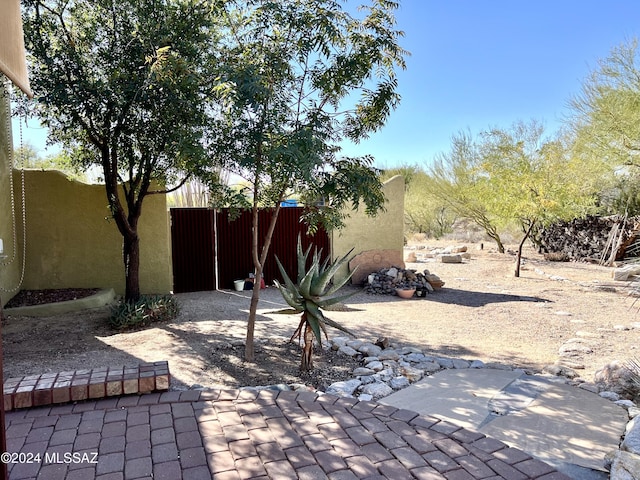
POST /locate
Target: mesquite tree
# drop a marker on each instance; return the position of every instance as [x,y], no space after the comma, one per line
[302,76]
[534,180]
[120,85]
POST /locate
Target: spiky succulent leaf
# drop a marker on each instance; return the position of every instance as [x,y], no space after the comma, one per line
[337,286]
[336,325]
[327,302]
[294,300]
[307,281]
[325,264]
[314,322]
[317,254]
[285,311]
[292,287]
[302,259]
[321,284]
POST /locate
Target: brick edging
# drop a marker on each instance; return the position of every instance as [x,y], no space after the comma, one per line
[89,384]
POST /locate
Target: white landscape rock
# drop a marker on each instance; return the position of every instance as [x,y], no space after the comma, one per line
[412,374]
[460,364]
[376,366]
[370,349]
[377,390]
[363,371]
[346,387]
[625,466]
[477,364]
[428,367]
[631,442]
[388,354]
[348,351]
[398,383]
[446,258]
[613,396]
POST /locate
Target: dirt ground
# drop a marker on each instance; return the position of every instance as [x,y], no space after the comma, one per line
[482,312]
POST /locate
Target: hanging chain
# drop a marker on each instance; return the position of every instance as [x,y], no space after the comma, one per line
[7,96]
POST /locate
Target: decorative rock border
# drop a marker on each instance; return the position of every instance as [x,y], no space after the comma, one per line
[55,388]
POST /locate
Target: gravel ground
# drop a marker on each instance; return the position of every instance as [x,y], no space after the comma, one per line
[482,312]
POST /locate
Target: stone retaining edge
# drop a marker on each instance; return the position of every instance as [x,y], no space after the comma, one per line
[99,299]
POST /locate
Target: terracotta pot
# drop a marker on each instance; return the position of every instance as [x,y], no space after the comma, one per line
[405,293]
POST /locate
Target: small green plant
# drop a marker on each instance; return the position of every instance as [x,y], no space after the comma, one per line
[309,296]
[148,309]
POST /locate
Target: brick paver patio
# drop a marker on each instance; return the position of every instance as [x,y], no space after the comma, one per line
[241,434]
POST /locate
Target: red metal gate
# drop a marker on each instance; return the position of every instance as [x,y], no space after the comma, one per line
[193,249]
[197,233]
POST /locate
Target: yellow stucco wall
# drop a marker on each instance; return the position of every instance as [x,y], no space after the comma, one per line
[10,266]
[384,231]
[72,242]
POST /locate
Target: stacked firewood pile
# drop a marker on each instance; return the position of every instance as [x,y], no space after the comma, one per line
[593,239]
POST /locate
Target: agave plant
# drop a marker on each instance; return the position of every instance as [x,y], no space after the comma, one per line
[310,295]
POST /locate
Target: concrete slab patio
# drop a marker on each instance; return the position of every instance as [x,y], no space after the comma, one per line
[567,427]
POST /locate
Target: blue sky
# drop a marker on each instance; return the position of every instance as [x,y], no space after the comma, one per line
[477,64]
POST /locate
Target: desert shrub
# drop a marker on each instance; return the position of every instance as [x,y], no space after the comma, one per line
[147,310]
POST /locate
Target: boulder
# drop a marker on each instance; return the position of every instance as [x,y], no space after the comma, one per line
[631,442]
[398,383]
[348,351]
[370,350]
[451,258]
[411,373]
[344,388]
[625,466]
[388,354]
[428,367]
[377,390]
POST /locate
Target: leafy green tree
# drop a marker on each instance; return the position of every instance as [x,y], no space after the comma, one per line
[27,157]
[533,180]
[606,124]
[300,76]
[621,193]
[120,85]
[458,181]
[606,113]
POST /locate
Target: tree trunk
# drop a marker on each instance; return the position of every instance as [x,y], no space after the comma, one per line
[258,262]
[496,238]
[249,350]
[306,363]
[519,254]
[131,257]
